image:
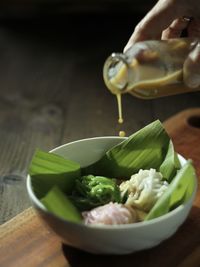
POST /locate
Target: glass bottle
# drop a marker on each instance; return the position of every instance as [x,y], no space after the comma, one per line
[149,69]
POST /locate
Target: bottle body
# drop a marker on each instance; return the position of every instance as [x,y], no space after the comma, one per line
[149,69]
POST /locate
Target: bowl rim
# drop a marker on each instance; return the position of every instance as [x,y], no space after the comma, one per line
[135,225]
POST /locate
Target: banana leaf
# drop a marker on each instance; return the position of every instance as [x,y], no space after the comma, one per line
[59,204]
[145,149]
[48,170]
[171,163]
[178,192]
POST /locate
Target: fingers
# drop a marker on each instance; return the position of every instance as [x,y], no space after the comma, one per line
[152,25]
[175,29]
[191,68]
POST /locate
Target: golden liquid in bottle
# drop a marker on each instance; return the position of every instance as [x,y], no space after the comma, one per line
[150,88]
[147,78]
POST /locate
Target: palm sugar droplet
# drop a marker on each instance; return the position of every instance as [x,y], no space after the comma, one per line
[120,120]
[122,133]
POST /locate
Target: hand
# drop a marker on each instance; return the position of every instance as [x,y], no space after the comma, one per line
[166,20]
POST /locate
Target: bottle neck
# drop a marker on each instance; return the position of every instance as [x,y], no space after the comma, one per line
[116,73]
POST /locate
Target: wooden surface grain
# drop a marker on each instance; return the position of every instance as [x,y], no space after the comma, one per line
[26,241]
[40,246]
[52,92]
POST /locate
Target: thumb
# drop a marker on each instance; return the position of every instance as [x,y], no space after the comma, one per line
[157,20]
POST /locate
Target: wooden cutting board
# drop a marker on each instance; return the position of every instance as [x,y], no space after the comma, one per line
[25,240]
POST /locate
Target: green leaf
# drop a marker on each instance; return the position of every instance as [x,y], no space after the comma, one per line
[170,164]
[178,192]
[59,204]
[145,149]
[48,169]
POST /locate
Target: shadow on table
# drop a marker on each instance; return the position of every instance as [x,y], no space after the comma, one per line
[80,258]
[170,253]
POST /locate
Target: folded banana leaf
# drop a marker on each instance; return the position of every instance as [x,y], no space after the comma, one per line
[58,203]
[148,148]
[178,192]
[171,163]
[48,170]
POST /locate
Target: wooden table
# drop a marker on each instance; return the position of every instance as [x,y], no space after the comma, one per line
[52,92]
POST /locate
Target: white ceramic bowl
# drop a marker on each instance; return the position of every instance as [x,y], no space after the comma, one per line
[121,239]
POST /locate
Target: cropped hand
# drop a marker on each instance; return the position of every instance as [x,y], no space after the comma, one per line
[167,19]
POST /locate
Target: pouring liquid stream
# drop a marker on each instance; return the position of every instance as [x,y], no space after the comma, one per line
[120,119]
